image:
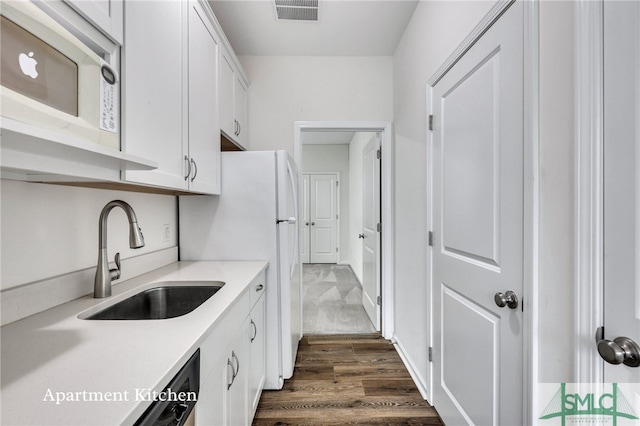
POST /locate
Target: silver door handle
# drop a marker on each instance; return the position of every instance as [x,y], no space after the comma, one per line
[188,167]
[622,350]
[237,370]
[233,374]
[255,331]
[509,298]
[195,169]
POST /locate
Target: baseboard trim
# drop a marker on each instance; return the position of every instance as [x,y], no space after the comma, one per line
[413,372]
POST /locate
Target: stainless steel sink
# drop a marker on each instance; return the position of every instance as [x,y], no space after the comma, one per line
[159,302]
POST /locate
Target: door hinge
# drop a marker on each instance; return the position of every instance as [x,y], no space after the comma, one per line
[337,183]
[431,122]
[379,228]
[336,216]
[379,153]
[379,300]
[430,354]
[336,249]
[431,238]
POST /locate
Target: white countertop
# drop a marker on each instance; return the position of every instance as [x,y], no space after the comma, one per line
[55,351]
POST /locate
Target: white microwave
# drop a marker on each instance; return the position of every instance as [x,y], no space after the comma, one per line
[51,80]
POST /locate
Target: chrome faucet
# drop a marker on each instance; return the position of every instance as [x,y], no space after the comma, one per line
[104,275]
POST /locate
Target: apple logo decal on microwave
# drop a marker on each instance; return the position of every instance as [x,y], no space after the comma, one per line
[28,65]
[34,68]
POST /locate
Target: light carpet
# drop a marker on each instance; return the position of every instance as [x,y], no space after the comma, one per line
[332,301]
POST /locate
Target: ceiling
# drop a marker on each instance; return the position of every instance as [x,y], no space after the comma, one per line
[344,28]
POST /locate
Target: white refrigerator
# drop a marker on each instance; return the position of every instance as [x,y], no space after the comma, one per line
[255,218]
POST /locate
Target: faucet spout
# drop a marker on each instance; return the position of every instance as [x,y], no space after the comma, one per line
[104,275]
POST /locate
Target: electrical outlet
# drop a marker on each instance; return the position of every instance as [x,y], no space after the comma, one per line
[166,233]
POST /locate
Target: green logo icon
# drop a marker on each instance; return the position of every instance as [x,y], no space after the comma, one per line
[566,404]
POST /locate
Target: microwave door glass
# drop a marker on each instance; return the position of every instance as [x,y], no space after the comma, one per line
[34,69]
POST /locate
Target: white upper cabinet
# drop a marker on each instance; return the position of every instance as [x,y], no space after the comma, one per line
[170,97]
[152,91]
[233,100]
[107,15]
[204,127]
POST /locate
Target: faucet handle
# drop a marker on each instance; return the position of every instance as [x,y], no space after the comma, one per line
[115,273]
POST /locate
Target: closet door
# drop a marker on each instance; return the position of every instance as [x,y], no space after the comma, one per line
[478,230]
[323,216]
[305,222]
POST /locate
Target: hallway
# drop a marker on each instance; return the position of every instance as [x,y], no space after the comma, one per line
[332,301]
[346,379]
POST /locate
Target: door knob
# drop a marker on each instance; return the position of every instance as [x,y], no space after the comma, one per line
[509,299]
[622,350]
[313,223]
[361,236]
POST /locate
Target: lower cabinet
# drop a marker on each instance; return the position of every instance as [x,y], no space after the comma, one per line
[231,389]
[211,406]
[236,379]
[256,354]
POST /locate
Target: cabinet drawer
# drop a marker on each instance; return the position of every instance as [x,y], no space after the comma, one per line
[257,287]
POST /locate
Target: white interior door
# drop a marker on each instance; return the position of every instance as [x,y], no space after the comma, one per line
[478,230]
[323,215]
[622,188]
[370,235]
[304,220]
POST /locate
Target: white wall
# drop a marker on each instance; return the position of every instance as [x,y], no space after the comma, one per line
[286,89]
[51,230]
[557,197]
[356,147]
[436,29]
[333,158]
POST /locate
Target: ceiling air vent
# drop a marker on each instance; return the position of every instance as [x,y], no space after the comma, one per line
[297,10]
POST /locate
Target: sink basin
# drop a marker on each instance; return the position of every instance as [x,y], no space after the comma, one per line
[159,303]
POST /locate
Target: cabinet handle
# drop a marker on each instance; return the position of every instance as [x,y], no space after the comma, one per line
[235,127]
[239,128]
[233,374]
[195,169]
[255,331]
[188,167]
[259,288]
[237,370]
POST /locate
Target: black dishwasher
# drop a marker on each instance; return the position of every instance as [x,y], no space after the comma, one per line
[173,406]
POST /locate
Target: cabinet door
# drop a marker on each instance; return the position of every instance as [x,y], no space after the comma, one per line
[152,88]
[107,15]
[212,400]
[238,394]
[204,130]
[240,108]
[256,355]
[227,113]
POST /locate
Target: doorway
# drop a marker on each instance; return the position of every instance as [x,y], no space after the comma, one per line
[350,212]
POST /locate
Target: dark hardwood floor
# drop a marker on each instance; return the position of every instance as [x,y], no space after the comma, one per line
[346,379]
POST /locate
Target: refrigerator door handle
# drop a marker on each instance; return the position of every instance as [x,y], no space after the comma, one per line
[293,220]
